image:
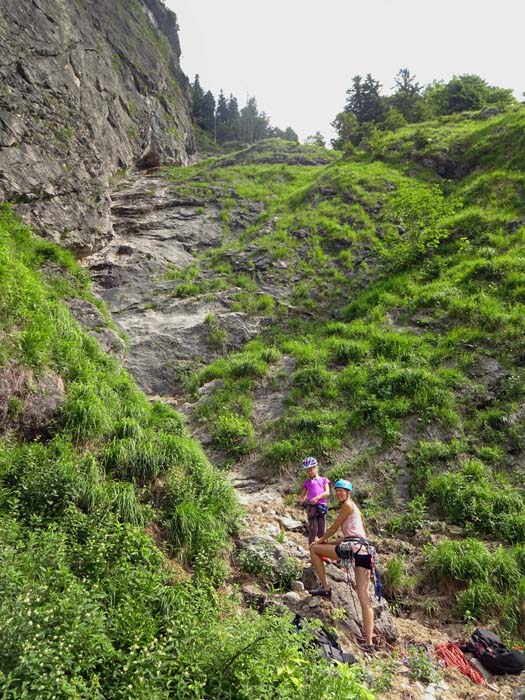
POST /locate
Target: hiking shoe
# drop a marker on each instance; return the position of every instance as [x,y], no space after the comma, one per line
[322,592]
[326,560]
[368,649]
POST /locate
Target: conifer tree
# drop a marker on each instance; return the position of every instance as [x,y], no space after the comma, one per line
[233,110]
[197,94]
[364,101]
[290,135]
[222,109]
[207,116]
[254,126]
[222,119]
[407,99]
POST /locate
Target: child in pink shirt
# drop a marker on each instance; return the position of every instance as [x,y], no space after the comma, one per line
[315,491]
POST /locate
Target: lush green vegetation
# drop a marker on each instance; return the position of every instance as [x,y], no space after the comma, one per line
[114,529]
[390,286]
[367,111]
[397,280]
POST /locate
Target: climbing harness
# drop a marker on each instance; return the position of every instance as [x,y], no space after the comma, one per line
[321,508]
[352,546]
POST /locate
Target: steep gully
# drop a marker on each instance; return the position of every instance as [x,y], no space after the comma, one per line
[156,230]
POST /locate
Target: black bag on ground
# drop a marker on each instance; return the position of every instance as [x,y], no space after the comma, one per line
[326,642]
[493,655]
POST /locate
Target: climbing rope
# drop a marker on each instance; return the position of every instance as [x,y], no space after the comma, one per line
[453,656]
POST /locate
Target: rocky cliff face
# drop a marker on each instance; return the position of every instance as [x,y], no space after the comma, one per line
[87,87]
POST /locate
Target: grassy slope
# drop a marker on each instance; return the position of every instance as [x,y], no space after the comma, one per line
[90,606]
[404,275]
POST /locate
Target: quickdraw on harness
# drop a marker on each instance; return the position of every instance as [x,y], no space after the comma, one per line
[351,546]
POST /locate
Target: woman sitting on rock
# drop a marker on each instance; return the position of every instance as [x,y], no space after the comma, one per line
[352,545]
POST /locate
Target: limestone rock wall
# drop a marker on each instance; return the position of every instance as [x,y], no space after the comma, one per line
[87,87]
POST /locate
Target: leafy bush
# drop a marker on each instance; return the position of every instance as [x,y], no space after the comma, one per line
[186,289]
[280,453]
[42,479]
[85,415]
[461,560]
[166,419]
[234,434]
[479,500]
[269,565]
[413,520]
[124,503]
[479,601]
[248,366]
[421,665]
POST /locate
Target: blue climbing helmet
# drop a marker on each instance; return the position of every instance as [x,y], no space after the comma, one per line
[309,462]
[343,484]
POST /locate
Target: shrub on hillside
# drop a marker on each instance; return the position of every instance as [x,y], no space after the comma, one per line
[233,433]
[479,500]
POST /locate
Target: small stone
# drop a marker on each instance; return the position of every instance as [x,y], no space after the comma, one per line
[298,586]
[292,597]
[290,523]
[272,530]
[313,603]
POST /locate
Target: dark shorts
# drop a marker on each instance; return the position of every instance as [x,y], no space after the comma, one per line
[362,560]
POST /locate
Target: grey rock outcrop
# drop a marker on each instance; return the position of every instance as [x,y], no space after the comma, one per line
[28,405]
[155,231]
[86,88]
[93,321]
[345,597]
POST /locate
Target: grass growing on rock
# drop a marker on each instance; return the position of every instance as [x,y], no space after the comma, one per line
[92,606]
[398,292]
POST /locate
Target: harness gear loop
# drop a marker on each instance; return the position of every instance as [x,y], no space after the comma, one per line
[353,545]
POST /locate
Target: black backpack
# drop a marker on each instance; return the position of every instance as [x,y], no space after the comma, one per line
[493,655]
[326,642]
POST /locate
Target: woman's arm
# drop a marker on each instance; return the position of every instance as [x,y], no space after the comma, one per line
[346,510]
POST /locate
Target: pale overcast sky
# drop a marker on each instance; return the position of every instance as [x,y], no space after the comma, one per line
[298,57]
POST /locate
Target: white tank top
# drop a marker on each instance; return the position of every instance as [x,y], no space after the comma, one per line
[353,525]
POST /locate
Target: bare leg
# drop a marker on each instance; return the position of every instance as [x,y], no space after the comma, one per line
[316,552]
[362,579]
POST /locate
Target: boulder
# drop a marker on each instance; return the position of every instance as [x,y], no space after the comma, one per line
[29,404]
[344,597]
[88,88]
